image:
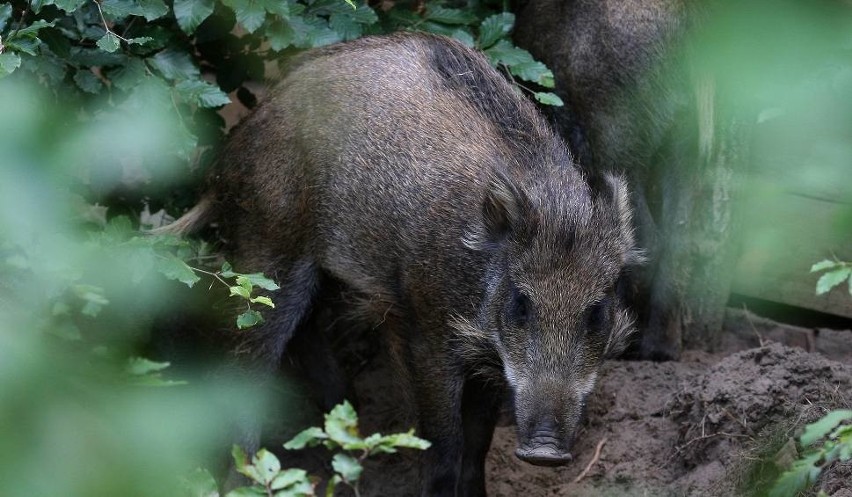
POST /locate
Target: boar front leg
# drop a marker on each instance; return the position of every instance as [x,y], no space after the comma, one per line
[480,409]
[437,384]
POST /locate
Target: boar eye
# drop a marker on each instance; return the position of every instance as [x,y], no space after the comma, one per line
[598,314]
[519,311]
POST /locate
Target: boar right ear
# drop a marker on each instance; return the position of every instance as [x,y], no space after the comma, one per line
[631,254]
[504,205]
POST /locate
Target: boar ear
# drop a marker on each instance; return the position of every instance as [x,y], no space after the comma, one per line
[504,205]
[619,338]
[631,254]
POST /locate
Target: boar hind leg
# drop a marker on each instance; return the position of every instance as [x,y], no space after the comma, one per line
[311,348]
[480,410]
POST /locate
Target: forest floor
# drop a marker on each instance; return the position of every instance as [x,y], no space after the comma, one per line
[708,425]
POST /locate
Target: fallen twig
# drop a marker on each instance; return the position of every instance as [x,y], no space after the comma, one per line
[592,462]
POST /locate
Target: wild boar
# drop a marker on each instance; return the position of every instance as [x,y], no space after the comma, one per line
[408,170]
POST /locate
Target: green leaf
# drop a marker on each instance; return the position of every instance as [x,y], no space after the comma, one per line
[437,28]
[245,283]
[175,269]
[495,27]
[282,8]
[8,63]
[533,71]
[821,428]
[364,14]
[238,291]
[200,483]
[405,440]
[341,425]
[227,270]
[280,35]
[248,319]
[263,300]
[32,30]
[96,57]
[345,26]
[129,75]
[109,42]
[823,264]
[138,366]
[347,467]
[240,457]
[548,98]
[202,93]
[5,15]
[831,279]
[118,9]
[258,279]
[310,437]
[797,478]
[191,13]
[51,69]
[288,478]
[503,52]
[250,13]
[463,36]
[312,33]
[93,298]
[332,484]
[267,465]
[69,6]
[142,40]
[450,16]
[151,9]
[175,65]
[28,46]
[87,81]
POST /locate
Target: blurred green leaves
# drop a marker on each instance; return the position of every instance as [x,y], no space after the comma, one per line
[340,434]
[80,290]
[836,446]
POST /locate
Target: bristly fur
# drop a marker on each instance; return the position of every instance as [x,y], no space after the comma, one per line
[377,165]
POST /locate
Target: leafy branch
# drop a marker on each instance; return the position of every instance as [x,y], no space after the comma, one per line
[836,272]
[837,446]
[340,432]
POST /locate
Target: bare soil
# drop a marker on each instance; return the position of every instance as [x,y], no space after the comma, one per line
[719,424]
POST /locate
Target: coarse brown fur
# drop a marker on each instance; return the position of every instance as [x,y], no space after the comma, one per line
[409,171]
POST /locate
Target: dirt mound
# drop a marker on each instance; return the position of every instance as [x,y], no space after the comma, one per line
[751,404]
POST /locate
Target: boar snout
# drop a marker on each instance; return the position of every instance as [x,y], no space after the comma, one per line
[543,445]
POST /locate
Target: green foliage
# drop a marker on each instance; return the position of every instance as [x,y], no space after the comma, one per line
[341,432]
[836,272]
[837,446]
[80,290]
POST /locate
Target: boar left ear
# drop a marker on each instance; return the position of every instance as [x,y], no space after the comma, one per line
[505,209]
[631,254]
[619,338]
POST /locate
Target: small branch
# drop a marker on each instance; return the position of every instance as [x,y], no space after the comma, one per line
[592,462]
[106,27]
[705,437]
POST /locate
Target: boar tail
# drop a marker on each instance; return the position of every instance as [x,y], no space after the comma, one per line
[190,222]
